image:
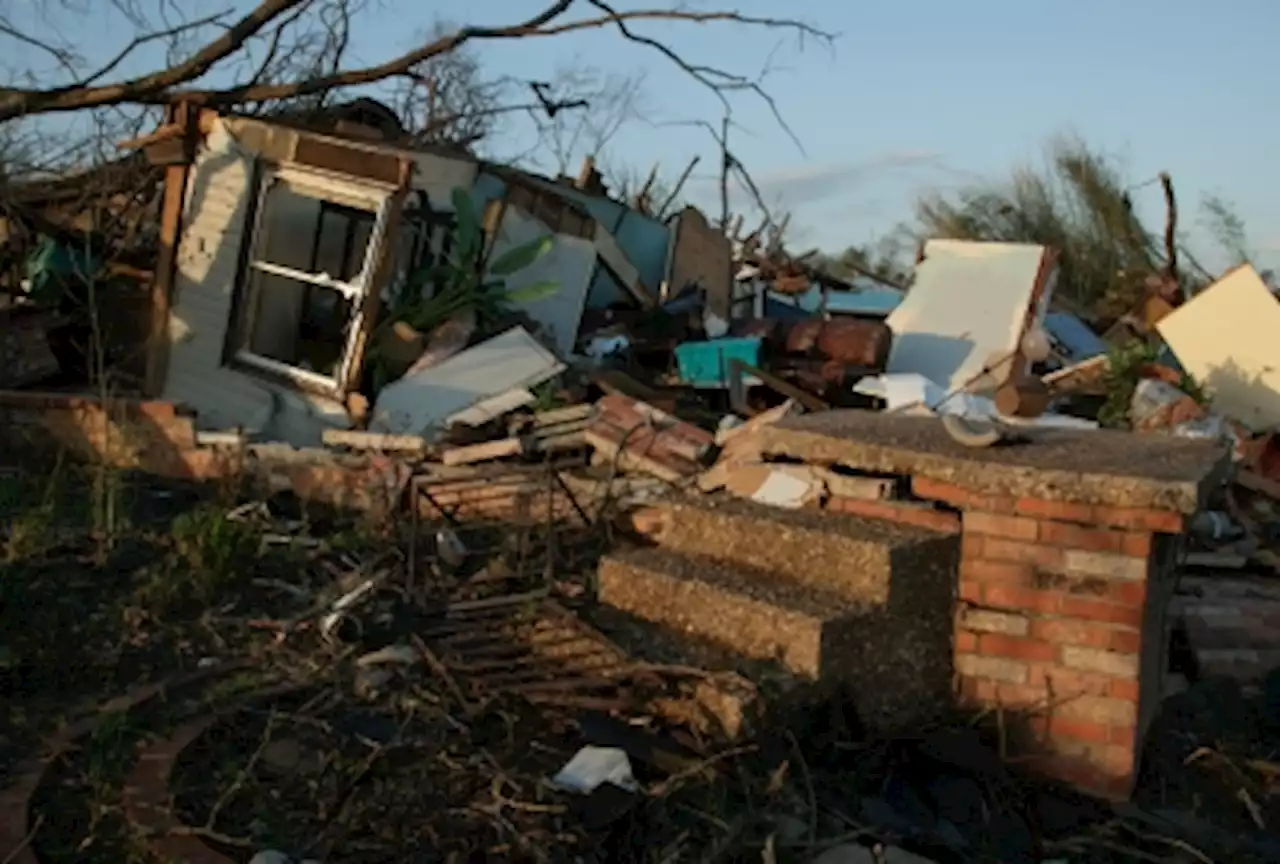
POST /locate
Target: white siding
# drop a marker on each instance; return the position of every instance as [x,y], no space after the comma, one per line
[570,264]
[440,175]
[214,227]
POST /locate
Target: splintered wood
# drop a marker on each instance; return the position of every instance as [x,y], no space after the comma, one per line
[638,437]
[546,432]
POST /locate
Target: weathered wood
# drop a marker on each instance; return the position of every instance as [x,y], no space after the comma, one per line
[374,441]
[482,452]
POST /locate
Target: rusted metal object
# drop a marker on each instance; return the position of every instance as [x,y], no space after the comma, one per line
[498,630]
[527,644]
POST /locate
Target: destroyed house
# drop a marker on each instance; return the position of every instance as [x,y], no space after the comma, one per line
[288,237]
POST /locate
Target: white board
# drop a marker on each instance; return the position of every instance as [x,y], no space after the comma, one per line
[570,264]
[965,310]
[1227,338]
[422,403]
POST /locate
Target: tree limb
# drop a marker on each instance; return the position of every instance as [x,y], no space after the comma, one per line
[164,86]
[19,102]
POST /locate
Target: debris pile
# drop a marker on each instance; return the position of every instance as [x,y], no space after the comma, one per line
[492,350]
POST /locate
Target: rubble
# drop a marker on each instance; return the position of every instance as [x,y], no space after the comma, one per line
[793,492]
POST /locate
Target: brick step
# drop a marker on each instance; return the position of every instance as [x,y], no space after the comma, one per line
[899,664]
[869,561]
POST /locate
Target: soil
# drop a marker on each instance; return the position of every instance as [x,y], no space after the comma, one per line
[365,763]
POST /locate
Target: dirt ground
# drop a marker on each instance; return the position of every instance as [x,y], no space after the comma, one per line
[311,747]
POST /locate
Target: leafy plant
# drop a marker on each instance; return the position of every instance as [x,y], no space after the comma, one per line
[462,283]
[213,546]
[1124,371]
[31,508]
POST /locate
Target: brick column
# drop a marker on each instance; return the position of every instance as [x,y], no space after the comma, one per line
[1060,621]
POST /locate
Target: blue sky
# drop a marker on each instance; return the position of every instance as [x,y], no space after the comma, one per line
[914,95]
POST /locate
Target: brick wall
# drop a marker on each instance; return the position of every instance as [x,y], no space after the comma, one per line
[154,438]
[149,436]
[1060,622]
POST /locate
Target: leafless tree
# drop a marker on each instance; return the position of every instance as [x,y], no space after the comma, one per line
[448,98]
[229,42]
[588,107]
[287,54]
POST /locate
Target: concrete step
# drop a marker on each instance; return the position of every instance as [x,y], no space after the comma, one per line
[899,665]
[739,695]
[869,561]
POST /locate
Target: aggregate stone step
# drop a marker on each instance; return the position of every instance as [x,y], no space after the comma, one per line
[866,560]
[899,664]
[740,696]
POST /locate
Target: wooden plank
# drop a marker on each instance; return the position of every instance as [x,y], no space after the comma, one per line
[357,440]
[175,190]
[499,449]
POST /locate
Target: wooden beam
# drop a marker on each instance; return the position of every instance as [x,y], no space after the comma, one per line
[175,187]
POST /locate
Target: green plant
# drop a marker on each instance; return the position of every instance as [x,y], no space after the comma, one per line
[547,397]
[1124,371]
[213,546]
[462,283]
[32,512]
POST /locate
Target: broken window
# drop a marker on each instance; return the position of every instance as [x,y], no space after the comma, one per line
[315,246]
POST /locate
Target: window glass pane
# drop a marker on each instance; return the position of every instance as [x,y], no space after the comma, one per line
[361,234]
[300,325]
[286,228]
[293,322]
[331,242]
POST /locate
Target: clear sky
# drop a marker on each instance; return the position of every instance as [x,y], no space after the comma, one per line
[920,94]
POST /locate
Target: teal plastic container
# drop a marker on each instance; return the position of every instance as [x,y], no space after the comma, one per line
[706,364]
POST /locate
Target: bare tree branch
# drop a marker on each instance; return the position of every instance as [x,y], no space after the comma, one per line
[139,41]
[613,101]
[164,85]
[19,102]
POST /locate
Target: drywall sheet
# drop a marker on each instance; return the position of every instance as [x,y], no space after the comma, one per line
[1227,338]
[423,402]
[965,311]
[569,264]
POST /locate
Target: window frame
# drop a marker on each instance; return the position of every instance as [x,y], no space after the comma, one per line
[323,187]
